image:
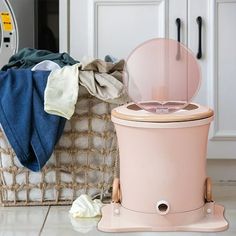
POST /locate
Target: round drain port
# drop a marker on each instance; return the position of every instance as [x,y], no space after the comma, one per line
[162,207]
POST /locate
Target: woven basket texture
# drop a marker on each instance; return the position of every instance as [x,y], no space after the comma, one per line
[85,160]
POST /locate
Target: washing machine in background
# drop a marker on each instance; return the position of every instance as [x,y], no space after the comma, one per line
[28,23]
[8,32]
[25,17]
[37,22]
[16,27]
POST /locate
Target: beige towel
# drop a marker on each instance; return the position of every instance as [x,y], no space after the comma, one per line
[61,91]
[101,79]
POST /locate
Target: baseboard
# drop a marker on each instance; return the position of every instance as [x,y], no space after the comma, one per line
[222,171]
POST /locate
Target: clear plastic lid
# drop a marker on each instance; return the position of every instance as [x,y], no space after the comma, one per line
[162,76]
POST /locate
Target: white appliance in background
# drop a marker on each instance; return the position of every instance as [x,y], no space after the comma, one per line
[25,17]
[16,27]
[8,32]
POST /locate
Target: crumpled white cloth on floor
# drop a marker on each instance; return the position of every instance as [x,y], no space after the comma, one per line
[84,206]
[85,225]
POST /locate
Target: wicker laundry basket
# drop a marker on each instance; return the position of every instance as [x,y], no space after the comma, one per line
[84,161]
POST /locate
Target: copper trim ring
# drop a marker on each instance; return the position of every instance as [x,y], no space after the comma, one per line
[116,193]
[208,193]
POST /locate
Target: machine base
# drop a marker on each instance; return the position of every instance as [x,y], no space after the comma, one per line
[209,218]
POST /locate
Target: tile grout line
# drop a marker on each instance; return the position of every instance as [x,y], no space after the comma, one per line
[41,229]
[229,183]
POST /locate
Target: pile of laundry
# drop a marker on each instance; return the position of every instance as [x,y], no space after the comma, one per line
[38,92]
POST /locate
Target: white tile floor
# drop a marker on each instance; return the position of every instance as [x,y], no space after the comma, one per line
[56,221]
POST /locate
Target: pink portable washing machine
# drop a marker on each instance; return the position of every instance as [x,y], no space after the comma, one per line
[162,141]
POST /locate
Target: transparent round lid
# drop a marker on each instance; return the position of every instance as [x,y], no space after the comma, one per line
[162,76]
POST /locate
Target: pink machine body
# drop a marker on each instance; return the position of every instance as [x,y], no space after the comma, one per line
[162,140]
[163,179]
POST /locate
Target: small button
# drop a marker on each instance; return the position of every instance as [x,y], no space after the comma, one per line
[6,39]
[209,211]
